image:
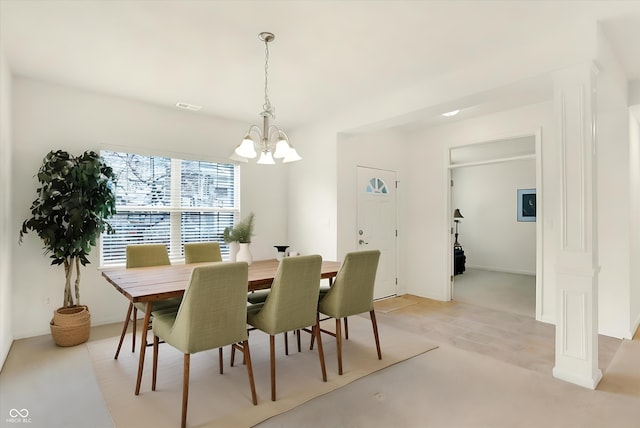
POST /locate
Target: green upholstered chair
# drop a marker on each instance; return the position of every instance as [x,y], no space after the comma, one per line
[213,313]
[141,256]
[259,297]
[291,305]
[198,252]
[352,294]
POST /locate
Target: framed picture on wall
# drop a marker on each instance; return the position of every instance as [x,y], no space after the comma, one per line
[526,204]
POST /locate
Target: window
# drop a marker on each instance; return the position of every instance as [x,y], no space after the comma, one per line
[376,186]
[161,200]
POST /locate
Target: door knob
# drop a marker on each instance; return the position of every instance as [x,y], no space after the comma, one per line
[361,242]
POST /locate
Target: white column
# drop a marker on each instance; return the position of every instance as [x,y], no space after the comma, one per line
[577,263]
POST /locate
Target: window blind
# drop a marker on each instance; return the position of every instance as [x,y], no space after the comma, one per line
[161,200]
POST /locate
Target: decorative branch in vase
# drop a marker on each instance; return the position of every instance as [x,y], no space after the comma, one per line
[241,233]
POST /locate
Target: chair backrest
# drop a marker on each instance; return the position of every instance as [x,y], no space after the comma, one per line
[293,301]
[198,252]
[352,290]
[213,312]
[147,255]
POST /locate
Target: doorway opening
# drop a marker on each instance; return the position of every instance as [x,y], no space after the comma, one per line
[495,255]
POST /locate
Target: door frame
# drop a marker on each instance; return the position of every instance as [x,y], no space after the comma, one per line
[537,134]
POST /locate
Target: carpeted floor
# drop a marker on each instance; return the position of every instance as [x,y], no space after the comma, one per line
[486,372]
[503,291]
[451,388]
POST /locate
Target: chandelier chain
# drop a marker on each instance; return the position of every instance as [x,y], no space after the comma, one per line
[267,103]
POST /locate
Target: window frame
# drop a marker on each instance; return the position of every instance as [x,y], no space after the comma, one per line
[174,209]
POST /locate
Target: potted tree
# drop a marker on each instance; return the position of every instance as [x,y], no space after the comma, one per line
[241,233]
[74,200]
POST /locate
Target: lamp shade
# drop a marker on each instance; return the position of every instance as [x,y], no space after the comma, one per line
[291,156]
[282,148]
[456,214]
[266,158]
[247,148]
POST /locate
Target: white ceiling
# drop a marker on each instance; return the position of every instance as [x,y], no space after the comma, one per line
[327,54]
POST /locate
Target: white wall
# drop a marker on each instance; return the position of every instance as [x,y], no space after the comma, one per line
[490,234]
[426,181]
[634,92]
[50,117]
[613,200]
[6,226]
[634,224]
[426,215]
[312,199]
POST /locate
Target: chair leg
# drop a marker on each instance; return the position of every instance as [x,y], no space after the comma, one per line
[375,332]
[272,359]
[220,358]
[316,328]
[346,329]
[233,357]
[133,333]
[185,389]
[244,347]
[156,340]
[124,330]
[339,344]
[247,358]
[286,343]
[298,336]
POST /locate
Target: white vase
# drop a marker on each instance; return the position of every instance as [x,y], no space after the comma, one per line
[233,251]
[244,254]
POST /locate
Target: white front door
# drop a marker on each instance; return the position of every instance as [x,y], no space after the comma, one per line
[376,224]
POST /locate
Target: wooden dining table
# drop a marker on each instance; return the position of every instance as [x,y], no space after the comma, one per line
[153,283]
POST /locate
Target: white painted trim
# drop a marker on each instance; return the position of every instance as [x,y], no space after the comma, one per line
[492,161]
[568,376]
[539,229]
[499,269]
[448,292]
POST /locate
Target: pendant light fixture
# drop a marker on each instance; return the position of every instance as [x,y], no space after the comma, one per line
[269,141]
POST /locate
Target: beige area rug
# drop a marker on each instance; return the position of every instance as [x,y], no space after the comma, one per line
[392,303]
[224,400]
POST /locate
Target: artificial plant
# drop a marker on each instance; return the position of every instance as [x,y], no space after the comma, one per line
[241,232]
[75,199]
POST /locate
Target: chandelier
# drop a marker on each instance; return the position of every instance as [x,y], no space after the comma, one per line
[271,142]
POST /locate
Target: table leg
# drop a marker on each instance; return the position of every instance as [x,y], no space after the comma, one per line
[143,345]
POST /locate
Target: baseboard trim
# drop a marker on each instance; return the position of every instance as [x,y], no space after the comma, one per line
[590,382]
[498,269]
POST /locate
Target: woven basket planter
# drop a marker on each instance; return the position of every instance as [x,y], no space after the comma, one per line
[71,326]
